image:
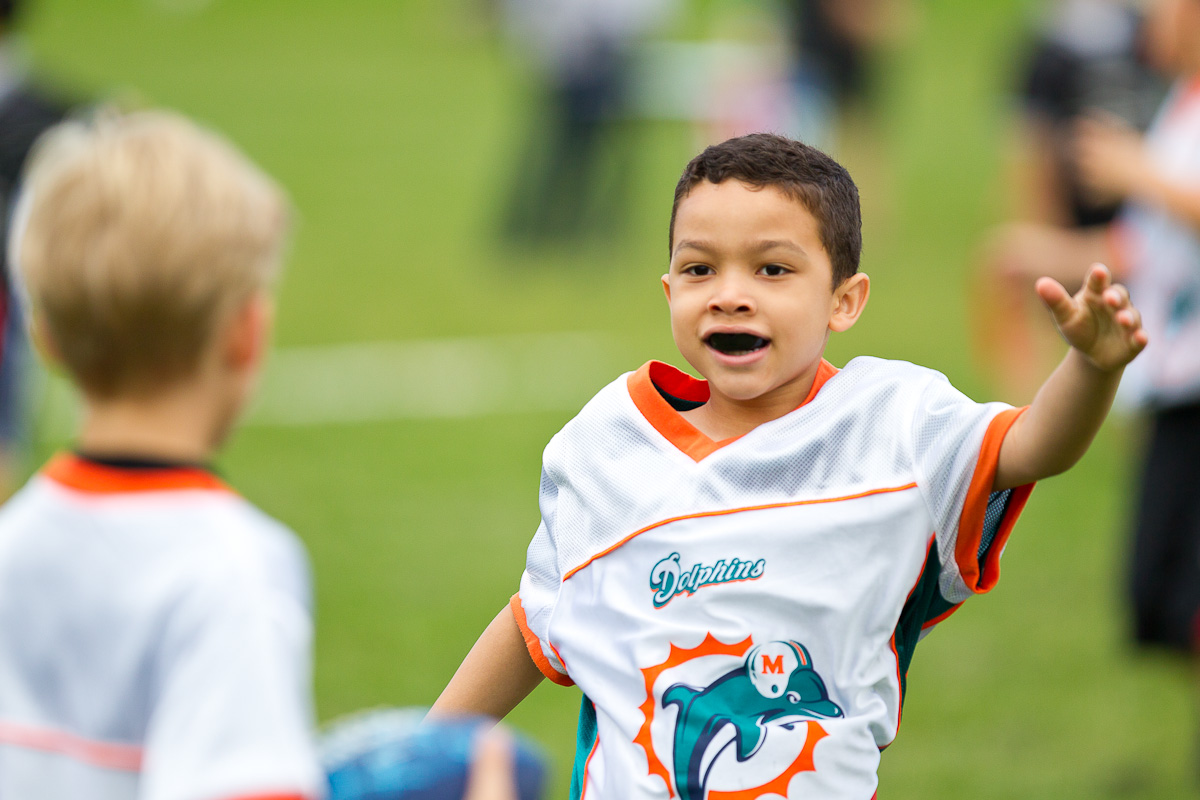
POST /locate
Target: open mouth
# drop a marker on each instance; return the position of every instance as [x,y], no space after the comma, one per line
[736,344]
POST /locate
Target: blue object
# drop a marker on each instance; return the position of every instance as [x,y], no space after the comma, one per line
[392,754]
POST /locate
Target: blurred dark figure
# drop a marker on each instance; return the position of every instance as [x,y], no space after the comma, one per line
[1154,246]
[575,161]
[834,42]
[1086,58]
[25,111]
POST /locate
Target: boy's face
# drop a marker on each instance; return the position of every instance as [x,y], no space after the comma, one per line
[750,288]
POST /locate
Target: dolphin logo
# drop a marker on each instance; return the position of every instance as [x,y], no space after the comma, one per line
[776,685]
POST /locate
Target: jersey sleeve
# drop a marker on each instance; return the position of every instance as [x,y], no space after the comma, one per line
[956,449]
[533,605]
[232,714]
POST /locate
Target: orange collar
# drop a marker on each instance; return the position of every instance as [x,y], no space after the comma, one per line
[73,472]
[670,423]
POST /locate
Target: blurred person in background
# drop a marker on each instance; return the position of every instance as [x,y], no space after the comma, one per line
[25,111]
[574,163]
[834,43]
[155,627]
[1154,243]
[1086,56]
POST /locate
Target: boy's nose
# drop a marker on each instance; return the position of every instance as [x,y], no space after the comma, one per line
[731,296]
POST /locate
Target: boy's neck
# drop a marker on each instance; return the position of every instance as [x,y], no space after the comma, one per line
[725,418]
[176,425]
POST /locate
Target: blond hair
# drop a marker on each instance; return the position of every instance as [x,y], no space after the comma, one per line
[136,235]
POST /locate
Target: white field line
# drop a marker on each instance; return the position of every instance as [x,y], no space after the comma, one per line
[443,378]
[432,379]
[406,380]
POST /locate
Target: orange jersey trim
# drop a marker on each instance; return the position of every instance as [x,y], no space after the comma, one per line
[728,511]
[587,765]
[981,578]
[940,618]
[107,755]
[534,646]
[892,642]
[73,472]
[670,423]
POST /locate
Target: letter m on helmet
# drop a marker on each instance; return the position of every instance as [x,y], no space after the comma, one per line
[774,665]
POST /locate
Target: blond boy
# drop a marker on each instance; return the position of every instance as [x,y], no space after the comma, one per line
[736,570]
[155,628]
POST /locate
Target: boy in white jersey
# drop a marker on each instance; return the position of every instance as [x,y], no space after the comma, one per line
[735,571]
[155,628]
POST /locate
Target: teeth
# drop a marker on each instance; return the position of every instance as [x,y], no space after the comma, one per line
[736,343]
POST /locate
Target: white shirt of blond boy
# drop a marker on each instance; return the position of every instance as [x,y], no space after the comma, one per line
[155,641]
[741,621]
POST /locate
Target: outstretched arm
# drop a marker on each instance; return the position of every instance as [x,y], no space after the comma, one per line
[495,676]
[1105,333]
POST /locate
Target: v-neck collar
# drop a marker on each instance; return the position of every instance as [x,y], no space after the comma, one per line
[685,436]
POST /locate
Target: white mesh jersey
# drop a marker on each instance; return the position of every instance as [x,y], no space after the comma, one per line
[1162,256]
[155,641]
[740,615]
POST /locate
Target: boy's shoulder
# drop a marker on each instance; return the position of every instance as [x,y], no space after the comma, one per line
[185,521]
[639,409]
[866,370]
[627,394]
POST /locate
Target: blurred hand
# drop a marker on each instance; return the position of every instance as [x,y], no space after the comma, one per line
[1020,252]
[492,774]
[1098,321]
[1110,157]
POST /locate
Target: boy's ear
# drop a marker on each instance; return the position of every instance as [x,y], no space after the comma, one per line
[849,300]
[249,332]
[666,281]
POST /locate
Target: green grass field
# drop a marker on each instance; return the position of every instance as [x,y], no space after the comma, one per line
[392,124]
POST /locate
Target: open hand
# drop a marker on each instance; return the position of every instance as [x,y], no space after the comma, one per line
[1098,321]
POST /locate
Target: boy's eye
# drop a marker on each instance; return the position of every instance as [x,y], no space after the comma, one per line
[698,269]
[774,270]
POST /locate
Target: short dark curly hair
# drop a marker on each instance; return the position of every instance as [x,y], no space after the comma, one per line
[801,172]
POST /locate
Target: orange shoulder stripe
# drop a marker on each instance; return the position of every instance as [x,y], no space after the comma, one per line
[534,646]
[726,512]
[73,472]
[981,578]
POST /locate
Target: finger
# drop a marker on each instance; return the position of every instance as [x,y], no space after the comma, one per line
[1129,317]
[1056,298]
[1116,296]
[492,775]
[1098,278]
